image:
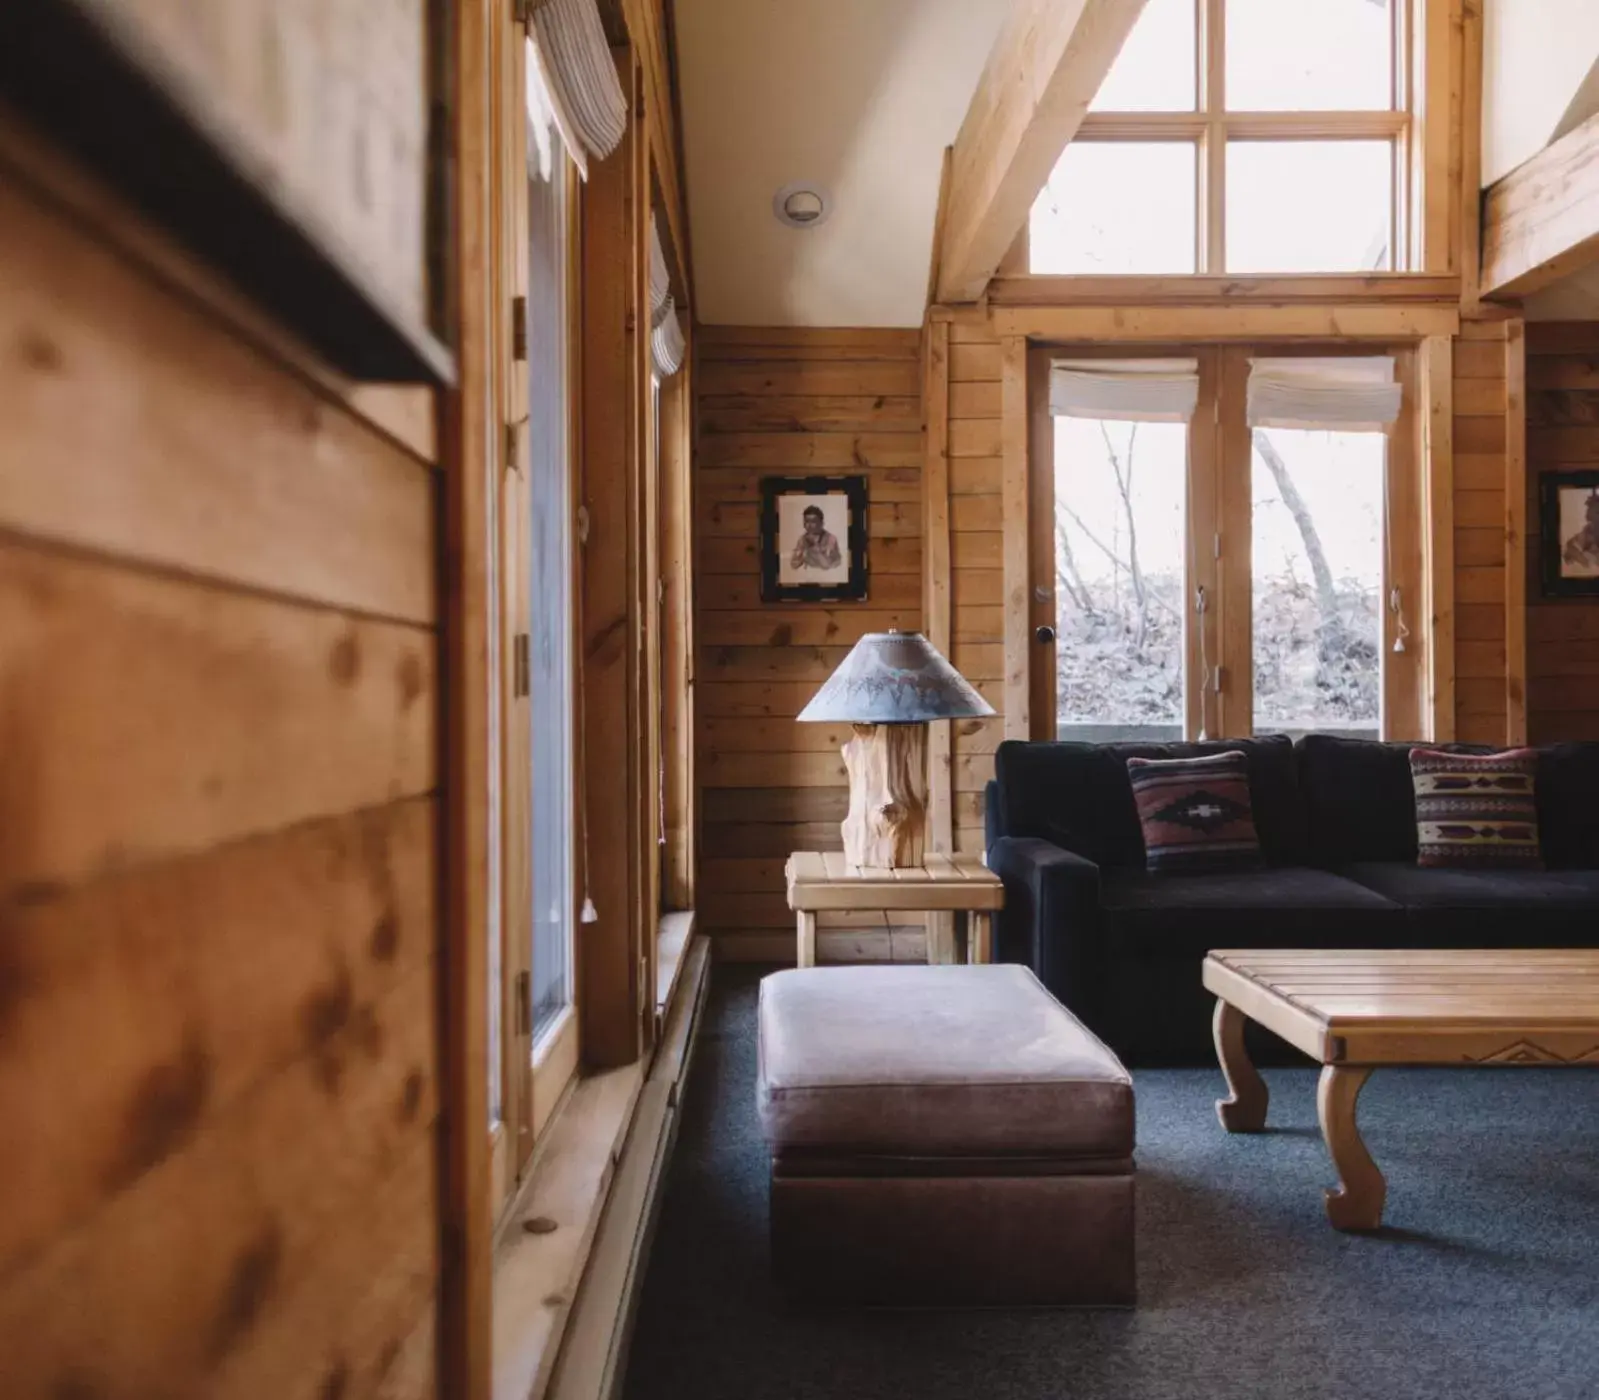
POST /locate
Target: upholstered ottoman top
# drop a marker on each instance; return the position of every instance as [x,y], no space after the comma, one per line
[944,1061]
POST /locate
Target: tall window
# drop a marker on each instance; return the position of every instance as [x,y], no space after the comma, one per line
[1242,136]
[1121,470]
[550,670]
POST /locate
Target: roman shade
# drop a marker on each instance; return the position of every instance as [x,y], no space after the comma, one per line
[1141,391]
[666,343]
[660,276]
[1346,393]
[666,333]
[568,49]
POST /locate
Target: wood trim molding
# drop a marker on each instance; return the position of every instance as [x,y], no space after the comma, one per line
[1017,572]
[1436,425]
[1338,288]
[465,440]
[1515,534]
[1210,324]
[936,566]
[1044,69]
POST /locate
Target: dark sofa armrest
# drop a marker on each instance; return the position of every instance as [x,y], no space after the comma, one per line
[992,829]
[1051,916]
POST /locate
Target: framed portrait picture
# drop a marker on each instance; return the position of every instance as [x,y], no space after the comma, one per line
[1569,521]
[813,539]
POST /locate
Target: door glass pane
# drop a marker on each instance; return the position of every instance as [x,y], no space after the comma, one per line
[1309,55]
[1309,206]
[1156,67]
[1120,493]
[1116,206]
[1317,588]
[550,564]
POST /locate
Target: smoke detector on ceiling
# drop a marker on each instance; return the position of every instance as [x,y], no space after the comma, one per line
[801,205]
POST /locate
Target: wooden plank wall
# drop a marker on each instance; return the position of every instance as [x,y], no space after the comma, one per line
[1480,438]
[977,615]
[791,401]
[218,865]
[1562,435]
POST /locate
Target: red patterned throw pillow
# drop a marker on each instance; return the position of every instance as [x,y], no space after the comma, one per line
[1195,812]
[1476,810]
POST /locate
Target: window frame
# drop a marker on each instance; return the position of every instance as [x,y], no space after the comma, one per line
[1219,507]
[1210,127]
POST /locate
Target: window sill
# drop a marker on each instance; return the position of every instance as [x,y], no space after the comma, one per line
[549,1236]
[676,929]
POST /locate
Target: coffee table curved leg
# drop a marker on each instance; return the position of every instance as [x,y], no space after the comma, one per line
[1356,1202]
[1244,1108]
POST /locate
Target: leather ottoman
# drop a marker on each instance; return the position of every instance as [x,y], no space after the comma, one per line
[943,1136]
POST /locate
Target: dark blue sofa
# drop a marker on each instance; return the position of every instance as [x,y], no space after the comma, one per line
[1122,948]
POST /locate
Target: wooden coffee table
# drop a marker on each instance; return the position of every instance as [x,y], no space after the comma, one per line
[1358,1011]
[960,884]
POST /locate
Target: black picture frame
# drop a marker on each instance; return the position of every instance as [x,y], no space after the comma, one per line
[1557,582]
[778,490]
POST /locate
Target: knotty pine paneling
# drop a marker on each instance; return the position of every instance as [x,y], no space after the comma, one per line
[785,401]
[977,622]
[1562,634]
[1479,527]
[218,932]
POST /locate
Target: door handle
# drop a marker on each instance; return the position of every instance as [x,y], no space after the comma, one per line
[1045,634]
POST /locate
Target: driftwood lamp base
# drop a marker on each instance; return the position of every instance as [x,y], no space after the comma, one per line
[887,819]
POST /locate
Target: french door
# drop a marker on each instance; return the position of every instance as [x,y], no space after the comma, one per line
[1199,574]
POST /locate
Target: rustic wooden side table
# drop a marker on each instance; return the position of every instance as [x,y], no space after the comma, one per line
[958,884]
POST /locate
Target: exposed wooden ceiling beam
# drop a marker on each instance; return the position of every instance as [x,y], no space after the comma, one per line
[1045,67]
[1541,222]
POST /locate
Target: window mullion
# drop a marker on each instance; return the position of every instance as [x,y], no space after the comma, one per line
[1214,183]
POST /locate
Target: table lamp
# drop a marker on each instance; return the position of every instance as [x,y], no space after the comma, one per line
[889,686]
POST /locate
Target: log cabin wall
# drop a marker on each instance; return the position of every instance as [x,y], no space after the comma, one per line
[791,401]
[976,526]
[1485,628]
[1562,436]
[217,835]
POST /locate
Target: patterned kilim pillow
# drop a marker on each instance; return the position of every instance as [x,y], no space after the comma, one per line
[1476,809]
[1195,812]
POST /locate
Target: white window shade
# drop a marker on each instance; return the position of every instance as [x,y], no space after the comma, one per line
[566,40]
[1347,394]
[660,277]
[666,343]
[1139,391]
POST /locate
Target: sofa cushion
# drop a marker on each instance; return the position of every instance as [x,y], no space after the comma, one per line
[1360,805]
[934,1062]
[1195,813]
[1476,810]
[1359,800]
[1079,796]
[1513,895]
[1568,805]
[1292,906]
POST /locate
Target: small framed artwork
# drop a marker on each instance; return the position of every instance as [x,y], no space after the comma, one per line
[813,539]
[1569,521]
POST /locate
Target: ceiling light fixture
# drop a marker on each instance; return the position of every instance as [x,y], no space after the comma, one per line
[801,205]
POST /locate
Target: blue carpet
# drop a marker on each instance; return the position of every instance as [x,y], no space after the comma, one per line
[1483,1286]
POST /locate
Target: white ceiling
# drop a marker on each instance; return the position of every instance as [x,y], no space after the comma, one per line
[859,96]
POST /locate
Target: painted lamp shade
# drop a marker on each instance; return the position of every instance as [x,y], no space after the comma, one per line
[889,685]
[895,678]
